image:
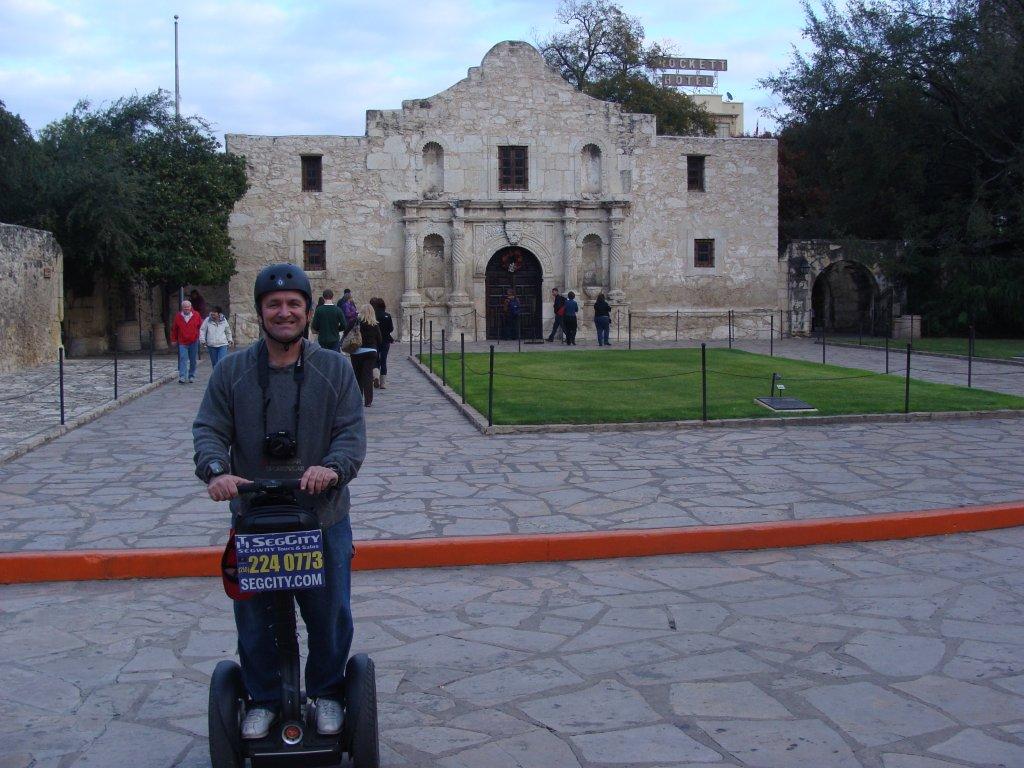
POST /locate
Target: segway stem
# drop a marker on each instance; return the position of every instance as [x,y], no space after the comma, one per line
[288,655]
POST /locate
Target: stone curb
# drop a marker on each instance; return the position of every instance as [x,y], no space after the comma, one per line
[52,434]
[480,422]
[916,352]
[459,551]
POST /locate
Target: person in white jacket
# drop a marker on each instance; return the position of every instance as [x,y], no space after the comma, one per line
[215,335]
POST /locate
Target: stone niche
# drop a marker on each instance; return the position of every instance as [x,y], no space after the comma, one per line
[31,297]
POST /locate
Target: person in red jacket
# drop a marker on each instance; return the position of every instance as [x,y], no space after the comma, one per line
[185,333]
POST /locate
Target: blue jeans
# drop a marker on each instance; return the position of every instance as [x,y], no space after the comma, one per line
[216,355]
[188,357]
[604,325]
[382,359]
[327,613]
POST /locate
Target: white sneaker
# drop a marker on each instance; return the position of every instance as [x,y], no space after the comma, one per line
[328,716]
[257,723]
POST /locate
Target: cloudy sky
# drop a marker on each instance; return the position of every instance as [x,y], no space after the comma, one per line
[315,66]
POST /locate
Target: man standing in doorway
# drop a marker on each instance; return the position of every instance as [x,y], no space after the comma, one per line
[185,333]
[556,327]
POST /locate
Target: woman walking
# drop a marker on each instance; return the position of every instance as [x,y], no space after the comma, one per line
[602,320]
[215,335]
[364,359]
[569,320]
[387,338]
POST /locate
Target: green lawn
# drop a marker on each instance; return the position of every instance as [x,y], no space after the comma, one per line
[647,385]
[952,345]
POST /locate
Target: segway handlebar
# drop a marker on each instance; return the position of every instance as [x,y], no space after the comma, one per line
[268,486]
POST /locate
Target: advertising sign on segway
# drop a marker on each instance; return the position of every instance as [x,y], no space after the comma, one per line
[285,561]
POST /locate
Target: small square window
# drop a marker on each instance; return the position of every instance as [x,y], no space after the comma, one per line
[703,253]
[312,173]
[512,169]
[314,255]
[695,173]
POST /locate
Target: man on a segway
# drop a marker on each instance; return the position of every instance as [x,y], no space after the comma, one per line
[286,408]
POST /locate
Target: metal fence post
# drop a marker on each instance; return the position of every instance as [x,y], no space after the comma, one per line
[618,325]
[60,373]
[115,365]
[887,354]
[410,335]
[629,323]
[462,359]
[970,355]
[823,343]
[703,381]
[519,332]
[490,391]
[476,326]
[152,343]
[421,337]
[730,329]
[771,337]
[444,363]
[430,357]
[906,394]
[677,325]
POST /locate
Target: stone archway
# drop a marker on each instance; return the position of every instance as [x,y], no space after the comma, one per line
[844,298]
[518,268]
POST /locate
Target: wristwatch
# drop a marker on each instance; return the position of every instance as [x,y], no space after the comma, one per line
[215,469]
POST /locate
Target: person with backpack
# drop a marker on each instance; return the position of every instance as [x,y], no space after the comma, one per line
[570,320]
[556,327]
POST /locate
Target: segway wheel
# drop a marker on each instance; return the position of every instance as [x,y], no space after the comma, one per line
[227,692]
[359,733]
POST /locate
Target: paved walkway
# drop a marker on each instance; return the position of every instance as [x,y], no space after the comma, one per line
[30,404]
[889,655]
[126,480]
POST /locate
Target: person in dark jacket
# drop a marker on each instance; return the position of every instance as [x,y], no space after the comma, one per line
[510,309]
[329,322]
[602,320]
[387,337]
[364,359]
[569,320]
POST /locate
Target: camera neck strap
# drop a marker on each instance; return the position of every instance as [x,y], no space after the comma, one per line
[263,377]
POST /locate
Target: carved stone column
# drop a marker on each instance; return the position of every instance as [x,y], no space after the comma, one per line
[616,226]
[570,252]
[412,301]
[459,308]
[458,294]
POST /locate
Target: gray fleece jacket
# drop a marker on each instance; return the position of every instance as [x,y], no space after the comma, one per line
[331,430]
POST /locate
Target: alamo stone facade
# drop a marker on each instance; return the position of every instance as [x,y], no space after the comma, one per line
[512,177]
[31,297]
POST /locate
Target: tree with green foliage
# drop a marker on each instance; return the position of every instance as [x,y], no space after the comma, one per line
[20,190]
[603,53]
[134,193]
[905,122]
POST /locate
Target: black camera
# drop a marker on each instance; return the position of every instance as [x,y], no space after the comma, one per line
[280,445]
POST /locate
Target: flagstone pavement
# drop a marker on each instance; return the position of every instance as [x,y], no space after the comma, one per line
[126,479]
[904,654]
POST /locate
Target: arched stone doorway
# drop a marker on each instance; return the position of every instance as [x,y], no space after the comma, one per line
[517,268]
[844,298]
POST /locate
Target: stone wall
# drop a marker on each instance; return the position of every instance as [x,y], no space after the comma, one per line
[31,297]
[607,202]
